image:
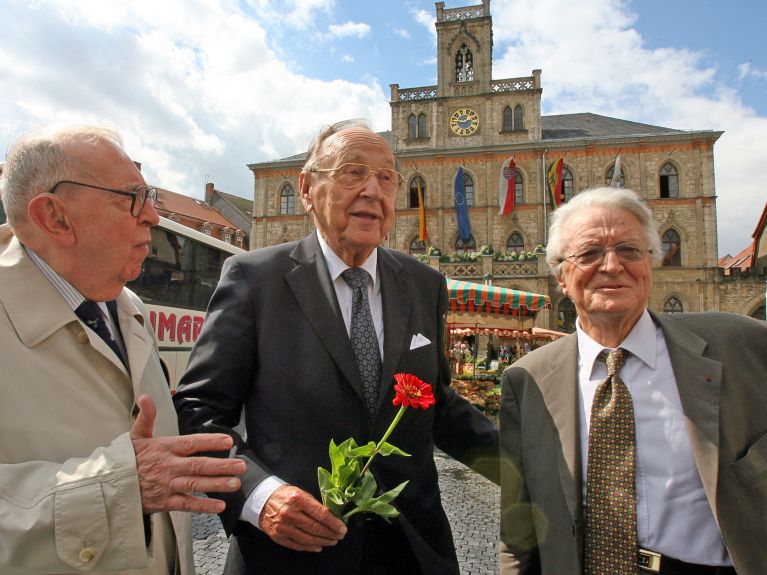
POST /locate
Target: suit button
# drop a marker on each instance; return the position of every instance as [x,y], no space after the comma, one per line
[82,337]
[87,554]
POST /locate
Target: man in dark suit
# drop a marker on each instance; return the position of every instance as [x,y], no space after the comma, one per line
[681,486]
[276,342]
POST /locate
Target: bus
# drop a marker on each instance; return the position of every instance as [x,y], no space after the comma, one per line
[176,282]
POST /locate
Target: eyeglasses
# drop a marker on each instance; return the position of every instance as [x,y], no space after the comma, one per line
[352,175]
[595,256]
[139,196]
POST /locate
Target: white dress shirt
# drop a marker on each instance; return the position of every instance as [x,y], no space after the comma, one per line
[673,514]
[251,510]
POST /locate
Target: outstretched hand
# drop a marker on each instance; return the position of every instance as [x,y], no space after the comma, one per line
[169,473]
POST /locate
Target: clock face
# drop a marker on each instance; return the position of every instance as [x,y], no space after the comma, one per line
[464,121]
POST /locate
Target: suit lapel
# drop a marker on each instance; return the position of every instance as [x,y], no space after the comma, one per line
[396,301]
[561,398]
[137,339]
[310,283]
[699,381]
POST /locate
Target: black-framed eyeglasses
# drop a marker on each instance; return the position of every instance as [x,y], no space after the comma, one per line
[594,256]
[351,175]
[139,196]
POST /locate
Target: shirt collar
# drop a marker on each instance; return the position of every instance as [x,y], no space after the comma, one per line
[640,342]
[336,266]
[69,292]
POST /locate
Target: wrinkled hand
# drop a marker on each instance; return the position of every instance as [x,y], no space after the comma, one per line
[168,475]
[296,520]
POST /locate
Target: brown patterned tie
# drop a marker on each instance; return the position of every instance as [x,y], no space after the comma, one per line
[611,528]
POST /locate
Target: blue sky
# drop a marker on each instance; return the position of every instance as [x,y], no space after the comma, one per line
[200,88]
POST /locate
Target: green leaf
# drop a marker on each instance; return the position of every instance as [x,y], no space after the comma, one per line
[366,490]
[392,493]
[389,449]
[364,450]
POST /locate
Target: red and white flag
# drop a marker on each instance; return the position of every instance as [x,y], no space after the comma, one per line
[506,186]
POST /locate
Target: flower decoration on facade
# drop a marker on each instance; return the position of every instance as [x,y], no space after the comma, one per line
[349,487]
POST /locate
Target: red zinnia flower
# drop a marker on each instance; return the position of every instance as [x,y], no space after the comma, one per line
[411,391]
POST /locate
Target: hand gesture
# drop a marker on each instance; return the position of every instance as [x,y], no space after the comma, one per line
[169,474]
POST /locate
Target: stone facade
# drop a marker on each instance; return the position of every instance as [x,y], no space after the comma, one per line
[473,121]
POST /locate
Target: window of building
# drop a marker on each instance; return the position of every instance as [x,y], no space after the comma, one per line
[207,231]
[413,188]
[508,121]
[464,246]
[673,305]
[672,248]
[238,241]
[759,313]
[519,123]
[566,316]
[669,181]
[287,200]
[464,64]
[609,177]
[519,189]
[228,238]
[515,243]
[468,188]
[422,125]
[568,184]
[412,127]
[417,246]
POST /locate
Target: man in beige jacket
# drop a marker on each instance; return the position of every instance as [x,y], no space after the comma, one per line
[92,473]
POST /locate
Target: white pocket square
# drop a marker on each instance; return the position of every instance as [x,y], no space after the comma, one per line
[419,340]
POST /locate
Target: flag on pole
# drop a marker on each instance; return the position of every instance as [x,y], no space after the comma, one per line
[461,211]
[616,181]
[554,177]
[421,212]
[507,186]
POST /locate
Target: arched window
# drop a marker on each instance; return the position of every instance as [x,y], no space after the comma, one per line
[413,188]
[417,246]
[609,177]
[464,64]
[566,316]
[515,243]
[519,123]
[287,200]
[519,188]
[672,248]
[468,188]
[759,313]
[422,125]
[412,128]
[669,181]
[464,246]
[508,122]
[673,305]
[568,184]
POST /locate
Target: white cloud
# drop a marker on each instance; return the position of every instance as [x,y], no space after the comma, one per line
[401,32]
[745,70]
[355,29]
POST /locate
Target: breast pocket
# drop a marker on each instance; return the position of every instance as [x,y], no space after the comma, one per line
[751,469]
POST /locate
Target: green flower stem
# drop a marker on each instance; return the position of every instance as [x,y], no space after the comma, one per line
[386,435]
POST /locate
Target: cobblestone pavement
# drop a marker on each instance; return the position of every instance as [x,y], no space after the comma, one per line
[471,503]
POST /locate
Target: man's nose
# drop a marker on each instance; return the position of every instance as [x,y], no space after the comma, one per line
[611,261]
[149,215]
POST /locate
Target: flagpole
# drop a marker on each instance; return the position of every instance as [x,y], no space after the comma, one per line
[545,218]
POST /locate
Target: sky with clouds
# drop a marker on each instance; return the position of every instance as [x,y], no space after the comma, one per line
[200,88]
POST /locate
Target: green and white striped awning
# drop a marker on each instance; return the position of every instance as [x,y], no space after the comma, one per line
[480,298]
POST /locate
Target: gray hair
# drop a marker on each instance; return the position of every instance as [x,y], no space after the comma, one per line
[315,153]
[601,197]
[39,160]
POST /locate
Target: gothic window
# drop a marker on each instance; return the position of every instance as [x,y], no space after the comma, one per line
[287,200]
[417,246]
[759,312]
[609,177]
[669,181]
[515,243]
[519,188]
[508,122]
[465,246]
[468,188]
[672,248]
[568,184]
[412,128]
[464,64]
[673,305]
[566,316]
[422,125]
[519,123]
[413,195]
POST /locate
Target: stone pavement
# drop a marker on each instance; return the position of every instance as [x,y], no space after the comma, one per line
[471,503]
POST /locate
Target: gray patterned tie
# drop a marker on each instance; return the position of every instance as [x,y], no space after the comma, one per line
[363,337]
[90,312]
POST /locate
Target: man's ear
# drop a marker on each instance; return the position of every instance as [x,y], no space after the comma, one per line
[305,188]
[48,213]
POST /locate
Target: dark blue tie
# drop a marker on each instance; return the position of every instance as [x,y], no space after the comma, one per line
[363,337]
[90,312]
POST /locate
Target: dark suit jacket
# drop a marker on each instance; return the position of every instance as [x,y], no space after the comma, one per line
[274,342]
[720,365]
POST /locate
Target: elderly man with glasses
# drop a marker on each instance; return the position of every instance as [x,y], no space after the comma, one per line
[637,444]
[309,352]
[93,474]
